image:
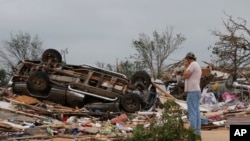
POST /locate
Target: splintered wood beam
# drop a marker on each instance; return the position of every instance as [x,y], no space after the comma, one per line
[162,90]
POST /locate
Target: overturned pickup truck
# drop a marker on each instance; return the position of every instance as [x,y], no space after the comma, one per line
[82,85]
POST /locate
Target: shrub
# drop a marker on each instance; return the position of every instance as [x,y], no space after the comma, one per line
[169,127]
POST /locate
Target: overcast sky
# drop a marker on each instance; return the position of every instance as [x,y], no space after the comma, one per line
[103,30]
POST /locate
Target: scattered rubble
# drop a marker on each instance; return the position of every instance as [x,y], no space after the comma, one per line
[27,118]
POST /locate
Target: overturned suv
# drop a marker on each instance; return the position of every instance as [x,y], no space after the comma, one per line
[82,85]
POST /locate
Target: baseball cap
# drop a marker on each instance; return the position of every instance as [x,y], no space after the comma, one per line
[190,55]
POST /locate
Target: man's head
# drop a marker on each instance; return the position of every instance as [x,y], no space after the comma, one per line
[190,55]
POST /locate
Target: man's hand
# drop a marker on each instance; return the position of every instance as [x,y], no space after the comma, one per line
[186,63]
[186,73]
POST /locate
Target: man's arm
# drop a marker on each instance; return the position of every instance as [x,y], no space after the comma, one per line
[186,73]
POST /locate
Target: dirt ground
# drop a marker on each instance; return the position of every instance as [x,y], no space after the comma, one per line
[220,134]
[216,134]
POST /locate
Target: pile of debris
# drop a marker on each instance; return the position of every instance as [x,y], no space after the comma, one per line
[27,118]
[111,105]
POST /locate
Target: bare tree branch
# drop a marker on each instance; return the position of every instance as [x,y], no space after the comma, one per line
[154,52]
[20,47]
[232,47]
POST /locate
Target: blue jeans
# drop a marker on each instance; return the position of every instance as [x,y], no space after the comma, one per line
[193,103]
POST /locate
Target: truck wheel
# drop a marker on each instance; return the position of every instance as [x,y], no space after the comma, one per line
[38,84]
[141,79]
[51,55]
[131,103]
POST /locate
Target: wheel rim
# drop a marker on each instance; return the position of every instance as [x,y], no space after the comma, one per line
[51,57]
[39,83]
[141,82]
[141,79]
[131,104]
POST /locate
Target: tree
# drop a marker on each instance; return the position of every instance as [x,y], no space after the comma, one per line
[154,52]
[20,46]
[103,65]
[128,67]
[232,48]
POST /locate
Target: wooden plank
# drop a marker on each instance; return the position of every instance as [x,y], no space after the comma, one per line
[162,90]
[180,102]
[238,121]
[26,114]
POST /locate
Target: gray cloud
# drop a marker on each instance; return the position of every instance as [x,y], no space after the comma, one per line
[103,30]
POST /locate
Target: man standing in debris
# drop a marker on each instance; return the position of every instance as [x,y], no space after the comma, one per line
[192,76]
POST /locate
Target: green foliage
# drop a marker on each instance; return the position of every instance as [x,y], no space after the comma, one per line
[126,67]
[168,128]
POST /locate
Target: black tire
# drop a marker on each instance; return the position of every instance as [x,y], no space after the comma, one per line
[131,103]
[141,79]
[51,55]
[39,84]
